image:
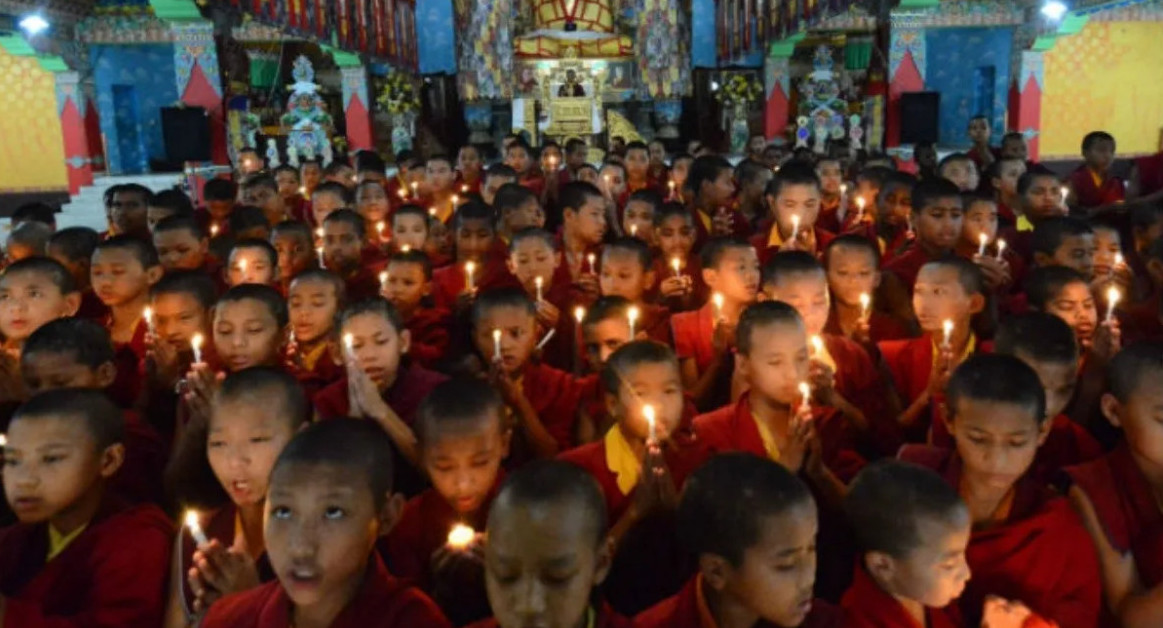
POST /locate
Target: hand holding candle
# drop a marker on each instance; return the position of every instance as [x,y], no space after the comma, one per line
[1112,299]
[496,345]
[676,264]
[947,327]
[982,240]
[652,429]
[195,528]
[632,315]
[1001,249]
[865,302]
[460,537]
[196,345]
[469,268]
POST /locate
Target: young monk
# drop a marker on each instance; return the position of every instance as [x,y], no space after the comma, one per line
[182,245]
[255,413]
[260,190]
[328,573]
[752,526]
[1040,197]
[68,561]
[937,213]
[852,264]
[535,266]
[33,292]
[960,169]
[123,269]
[981,153]
[702,338]
[628,271]
[548,511]
[380,383]
[517,209]
[343,236]
[293,242]
[1064,241]
[73,247]
[830,174]
[463,438]
[708,190]
[1114,495]
[252,261]
[948,294]
[894,207]
[996,414]
[409,228]
[583,227]
[1003,176]
[638,215]
[314,301]
[474,235]
[409,288]
[371,201]
[677,264]
[792,199]
[978,243]
[1092,184]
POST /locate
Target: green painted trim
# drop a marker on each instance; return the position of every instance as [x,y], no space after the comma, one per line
[918,4]
[17,46]
[1044,43]
[52,63]
[176,10]
[342,58]
[785,47]
[1072,23]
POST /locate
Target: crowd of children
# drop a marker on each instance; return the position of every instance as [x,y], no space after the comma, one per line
[799,391]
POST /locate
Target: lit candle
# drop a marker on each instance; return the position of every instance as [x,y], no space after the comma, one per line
[319,252]
[795,226]
[415,189]
[947,326]
[496,344]
[464,189]
[460,537]
[242,269]
[632,316]
[539,282]
[1001,249]
[196,345]
[469,267]
[591,258]
[676,264]
[1119,259]
[147,314]
[213,231]
[865,301]
[319,233]
[195,528]
[1065,194]
[718,299]
[384,281]
[349,346]
[405,248]
[670,184]
[380,229]
[3,441]
[633,230]
[982,240]
[817,346]
[1118,262]
[432,211]
[859,209]
[806,391]
[303,190]
[652,430]
[402,194]
[1112,299]
[579,313]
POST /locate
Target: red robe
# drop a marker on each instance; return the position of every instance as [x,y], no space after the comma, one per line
[762,239]
[686,610]
[866,605]
[1150,173]
[220,526]
[1041,555]
[1142,321]
[128,357]
[92,308]
[412,385]
[829,216]
[1067,444]
[907,265]
[429,329]
[113,574]
[692,333]
[1093,190]
[881,327]
[139,480]
[382,601]
[555,396]
[448,282]
[363,283]
[740,226]
[1125,504]
[693,269]
[605,618]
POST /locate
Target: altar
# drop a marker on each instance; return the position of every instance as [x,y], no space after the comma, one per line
[563,98]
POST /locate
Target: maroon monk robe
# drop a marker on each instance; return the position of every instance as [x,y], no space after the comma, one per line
[382,601]
[555,396]
[907,265]
[113,574]
[866,605]
[689,609]
[128,358]
[1150,173]
[429,329]
[1041,555]
[693,332]
[364,283]
[604,618]
[139,480]
[413,383]
[1067,444]
[881,327]
[765,252]
[315,370]
[740,226]
[859,382]
[1124,502]
[92,308]
[220,526]
[1093,190]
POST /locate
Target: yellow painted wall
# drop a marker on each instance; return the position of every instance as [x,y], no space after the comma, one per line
[1106,77]
[32,149]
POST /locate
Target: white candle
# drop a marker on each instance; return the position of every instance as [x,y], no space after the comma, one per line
[633,230]
[670,184]
[469,267]
[865,301]
[795,226]
[591,258]
[652,429]
[213,231]
[319,233]
[947,326]
[455,200]
[817,346]
[1112,299]
[405,248]
[147,314]
[319,252]
[195,528]
[539,282]
[579,313]
[1001,249]
[859,209]
[496,344]
[432,211]
[384,281]
[545,340]
[460,537]
[1065,194]
[349,345]
[676,264]
[718,299]
[982,240]
[3,441]
[632,315]
[402,194]
[196,345]
[380,229]
[242,269]
[806,391]
[302,190]
[415,189]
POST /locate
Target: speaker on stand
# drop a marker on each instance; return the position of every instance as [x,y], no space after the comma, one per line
[186,133]
[920,114]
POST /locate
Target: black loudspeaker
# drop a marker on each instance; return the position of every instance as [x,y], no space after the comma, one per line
[919,117]
[186,132]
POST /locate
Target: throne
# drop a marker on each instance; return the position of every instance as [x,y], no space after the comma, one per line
[581,29]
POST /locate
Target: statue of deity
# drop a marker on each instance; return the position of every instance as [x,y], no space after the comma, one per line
[582,29]
[307,124]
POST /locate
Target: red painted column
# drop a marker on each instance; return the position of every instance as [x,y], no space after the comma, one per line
[357,110]
[70,107]
[906,73]
[777,109]
[199,85]
[1025,101]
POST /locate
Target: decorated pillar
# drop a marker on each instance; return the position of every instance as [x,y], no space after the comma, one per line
[71,109]
[777,84]
[1025,102]
[196,70]
[357,110]
[484,61]
[906,69]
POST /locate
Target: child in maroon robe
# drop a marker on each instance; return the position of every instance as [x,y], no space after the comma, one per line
[73,247]
[182,244]
[371,201]
[894,206]
[737,514]
[462,438]
[252,261]
[1115,495]
[830,174]
[76,353]
[978,243]
[254,415]
[852,264]
[78,556]
[1040,196]
[546,510]
[328,468]
[1028,545]
[343,235]
[1092,184]
[793,201]
[474,234]
[1003,176]
[380,383]
[409,288]
[313,301]
[605,328]
[947,296]
[517,209]
[709,189]
[295,245]
[469,170]
[627,271]
[677,268]
[535,266]
[123,269]
[702,338]
[35,290]
[936,219]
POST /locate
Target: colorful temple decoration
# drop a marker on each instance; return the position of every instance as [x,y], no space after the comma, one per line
[747,26]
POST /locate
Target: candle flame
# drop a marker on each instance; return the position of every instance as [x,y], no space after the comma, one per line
[461,536]
[817,344]
[1112,296]
[591,258]
[632,314]
[380,227]
[469,267]
[1001,246]
[676,263]
[648,414]
[147,314]
[718,299]
[348,341]
[865,300]
[538,281]
[1118,259]
[191,518]
[983,238]
[384,277]
[496,335]
[432,211]
[405,248]
[196,341]
[3,441]
[579,313]
[860,202]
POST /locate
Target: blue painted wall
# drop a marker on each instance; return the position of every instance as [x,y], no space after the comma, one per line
[436,36]
[703,51]
[145,80]
[971,69]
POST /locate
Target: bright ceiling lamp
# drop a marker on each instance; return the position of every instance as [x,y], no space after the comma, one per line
[1054,10]
[33,24]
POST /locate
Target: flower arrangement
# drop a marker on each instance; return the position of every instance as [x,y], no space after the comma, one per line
[398,94]
[739,89]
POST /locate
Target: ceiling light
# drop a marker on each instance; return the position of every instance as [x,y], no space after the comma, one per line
[1054,10]
[33,24]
